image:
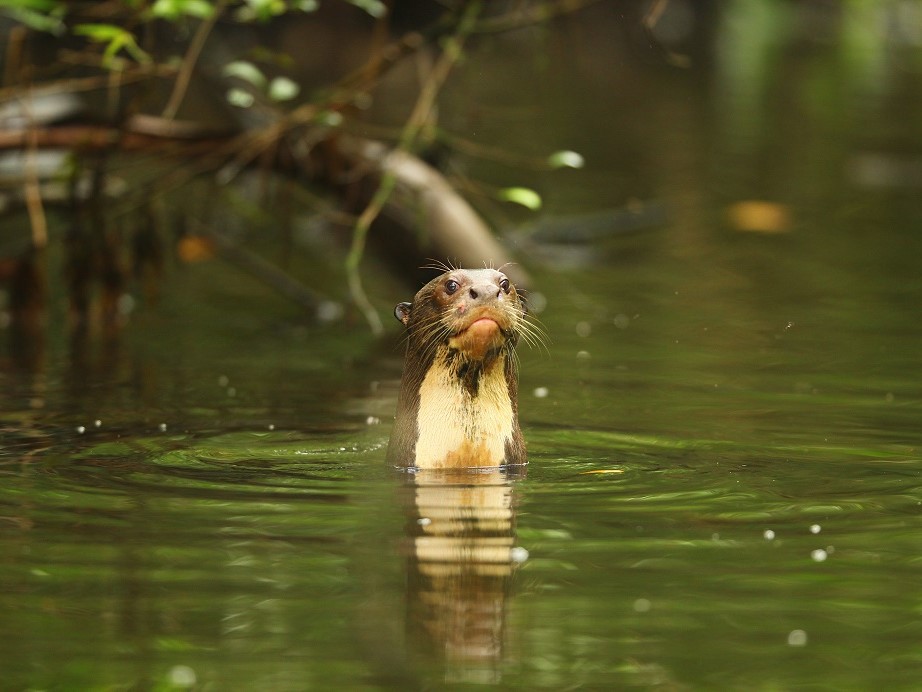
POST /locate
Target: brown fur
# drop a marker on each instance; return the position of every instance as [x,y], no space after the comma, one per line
[463,374]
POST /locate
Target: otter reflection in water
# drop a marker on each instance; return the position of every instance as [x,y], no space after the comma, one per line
[457,426]
[461,558]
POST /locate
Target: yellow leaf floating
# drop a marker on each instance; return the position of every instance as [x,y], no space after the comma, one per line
[586,473]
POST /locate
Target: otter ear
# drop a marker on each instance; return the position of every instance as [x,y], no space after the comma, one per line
[402,312]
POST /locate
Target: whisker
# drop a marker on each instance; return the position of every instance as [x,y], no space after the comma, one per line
[440,265]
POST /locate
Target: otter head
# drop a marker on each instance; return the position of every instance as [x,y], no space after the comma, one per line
[457,404]
[475,313]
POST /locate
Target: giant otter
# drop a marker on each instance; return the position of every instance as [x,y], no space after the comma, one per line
[458,402]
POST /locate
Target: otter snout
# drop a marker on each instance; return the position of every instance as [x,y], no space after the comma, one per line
[478,295]
[483,292]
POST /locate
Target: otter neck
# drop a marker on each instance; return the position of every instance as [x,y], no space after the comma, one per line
[466,415]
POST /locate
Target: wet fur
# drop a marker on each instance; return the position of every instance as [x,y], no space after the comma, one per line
[454,411]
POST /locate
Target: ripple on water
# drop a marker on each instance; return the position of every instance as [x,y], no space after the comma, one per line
[238,466]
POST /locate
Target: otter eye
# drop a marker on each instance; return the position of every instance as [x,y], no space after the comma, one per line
[504,284]
[451,286]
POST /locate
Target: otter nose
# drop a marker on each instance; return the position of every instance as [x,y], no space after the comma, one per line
[483,292]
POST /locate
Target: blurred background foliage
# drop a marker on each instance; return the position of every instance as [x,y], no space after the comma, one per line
[282,136]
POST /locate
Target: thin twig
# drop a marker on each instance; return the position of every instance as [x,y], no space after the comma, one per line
[32,186]
[417,120]
[188,63]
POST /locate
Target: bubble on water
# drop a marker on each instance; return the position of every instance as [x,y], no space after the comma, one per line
[81,429]
[622,321]
[518,554]
[815,528]
[797,638]
[125,304]
[97,423]
[583,329]
[537,302]
[223,381]
[819,555]
[642,605]
[182,676]
[424,521]
[271,426]
[768,535]
[372,420]
[541,392]
[330,311]
[583,355]
[162,427]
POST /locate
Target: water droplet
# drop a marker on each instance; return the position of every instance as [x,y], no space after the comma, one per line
[81,429]
[541,392]
[424,521]
[642,605]
[622,321]
[537,302]
[330,311]
[819,555]
[583,329]
[583,355]
[162,427]
[518,554]
[372,420]
[223,381]
[797,638]
[97,423]
[768,535]
[271,426]
[815,528]
[182,676]
[125,304]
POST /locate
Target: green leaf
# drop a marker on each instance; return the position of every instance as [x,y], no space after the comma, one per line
[375,8]
[525,196]
[117,39]
[329,118]
[283,89]
[247,71]
[261,10]
[174,9]
[35,16]
[566,159]
[34,5]
[240,98]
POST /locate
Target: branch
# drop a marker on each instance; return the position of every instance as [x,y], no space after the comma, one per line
[418,118]
[192,56]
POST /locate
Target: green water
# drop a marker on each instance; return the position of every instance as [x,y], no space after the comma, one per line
[725,435]
[258,542]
